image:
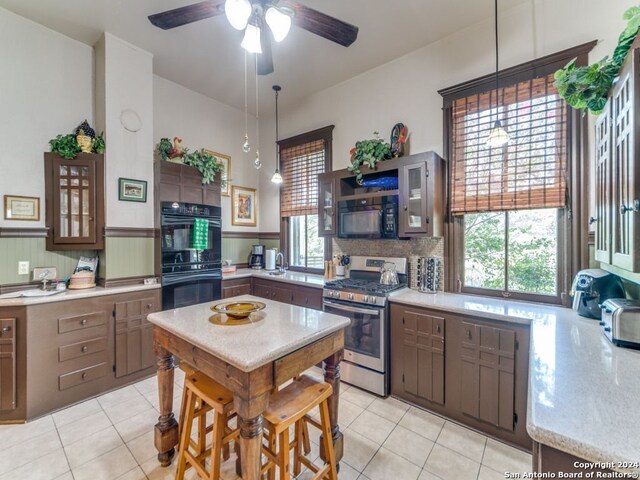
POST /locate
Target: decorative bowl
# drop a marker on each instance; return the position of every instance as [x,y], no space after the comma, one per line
[238,310]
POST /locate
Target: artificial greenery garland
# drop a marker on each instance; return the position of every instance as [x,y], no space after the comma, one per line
[206,163]
[587,87]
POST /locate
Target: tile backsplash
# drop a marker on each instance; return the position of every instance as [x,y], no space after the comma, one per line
[414,247]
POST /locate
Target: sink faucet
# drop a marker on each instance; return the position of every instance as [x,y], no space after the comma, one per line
[281,256]
[43,278]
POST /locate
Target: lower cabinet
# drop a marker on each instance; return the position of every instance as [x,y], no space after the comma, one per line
[307,297]
[134,336]
[236,287]
[7,364]
[470,369]
[300,295]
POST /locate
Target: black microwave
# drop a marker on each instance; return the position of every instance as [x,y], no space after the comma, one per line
[370,218]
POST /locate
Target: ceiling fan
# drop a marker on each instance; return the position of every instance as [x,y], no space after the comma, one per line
[252,15]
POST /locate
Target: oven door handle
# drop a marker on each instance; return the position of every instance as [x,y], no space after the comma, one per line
[347,308]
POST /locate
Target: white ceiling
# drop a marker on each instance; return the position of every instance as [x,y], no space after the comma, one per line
[206,56]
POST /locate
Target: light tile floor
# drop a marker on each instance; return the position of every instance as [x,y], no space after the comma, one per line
[111,437]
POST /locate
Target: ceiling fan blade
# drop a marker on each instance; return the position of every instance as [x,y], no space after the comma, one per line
[188,14]
[265,59]
[322,24]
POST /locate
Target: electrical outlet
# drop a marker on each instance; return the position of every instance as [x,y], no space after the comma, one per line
[23,268]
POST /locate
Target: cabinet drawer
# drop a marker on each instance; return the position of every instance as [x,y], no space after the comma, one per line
[84,375]
[469,334]
[80,349]
[81,322]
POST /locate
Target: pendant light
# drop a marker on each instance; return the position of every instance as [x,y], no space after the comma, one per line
[257,163]
[246,148]
[277,178]
[498,137]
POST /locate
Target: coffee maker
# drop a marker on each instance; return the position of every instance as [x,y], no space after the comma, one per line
[591,288]
[256,257]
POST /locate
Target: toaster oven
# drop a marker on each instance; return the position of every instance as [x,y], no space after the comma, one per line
[621,321]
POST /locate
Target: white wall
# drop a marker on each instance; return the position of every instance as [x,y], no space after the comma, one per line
[124,75]
[405,90]
[205,123]
[46,88]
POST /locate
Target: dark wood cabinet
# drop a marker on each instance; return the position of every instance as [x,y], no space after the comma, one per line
[326,204]
[7,364]
[273,290]
[134,335]
[236,287]
[307,297]
[176,182]
[617,175]
[487,374]
[467,368]
[74,199]
[420,361]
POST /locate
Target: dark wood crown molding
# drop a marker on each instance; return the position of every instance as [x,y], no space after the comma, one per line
[131,232]
[324,133]
[269,236]
[23,232]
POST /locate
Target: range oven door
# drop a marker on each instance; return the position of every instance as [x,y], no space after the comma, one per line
[364,338]
[183,289]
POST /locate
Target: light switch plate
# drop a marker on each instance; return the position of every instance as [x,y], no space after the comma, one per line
[23,268]
[51,275]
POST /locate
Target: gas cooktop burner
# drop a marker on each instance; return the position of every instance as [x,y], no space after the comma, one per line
[372,288]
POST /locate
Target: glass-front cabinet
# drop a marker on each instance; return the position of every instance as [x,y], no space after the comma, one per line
[74,202]
[326,205]
[412,215]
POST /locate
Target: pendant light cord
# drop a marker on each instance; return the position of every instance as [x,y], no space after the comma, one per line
[246,115]
[257,111]
[497,59]
[276,88]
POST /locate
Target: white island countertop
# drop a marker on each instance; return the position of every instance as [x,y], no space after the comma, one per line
[280,329]
[297,278]
[584,392]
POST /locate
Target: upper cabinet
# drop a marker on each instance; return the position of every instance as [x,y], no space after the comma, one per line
[617,176]
[176,182]
[74,196]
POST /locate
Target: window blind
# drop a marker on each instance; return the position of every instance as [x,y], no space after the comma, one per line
[300,166]
[530,171]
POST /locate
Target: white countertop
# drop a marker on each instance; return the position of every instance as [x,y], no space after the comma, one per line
[584,392]
[11,300]
[298,278]
[281,330]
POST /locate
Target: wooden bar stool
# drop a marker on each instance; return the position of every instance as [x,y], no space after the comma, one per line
[291,406]
[203,395]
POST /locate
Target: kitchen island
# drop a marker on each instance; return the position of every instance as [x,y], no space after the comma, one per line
[250,360]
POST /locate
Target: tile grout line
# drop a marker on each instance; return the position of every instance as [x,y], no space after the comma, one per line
[63,450]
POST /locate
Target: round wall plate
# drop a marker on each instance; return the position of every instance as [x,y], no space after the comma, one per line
[130,120]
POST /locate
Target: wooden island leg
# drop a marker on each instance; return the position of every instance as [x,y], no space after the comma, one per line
[332,376]
[166,430]
[250,424]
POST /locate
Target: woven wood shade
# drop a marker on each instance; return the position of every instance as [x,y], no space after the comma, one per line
[300,166]
[530,171]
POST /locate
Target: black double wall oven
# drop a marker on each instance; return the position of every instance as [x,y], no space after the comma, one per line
[191,266]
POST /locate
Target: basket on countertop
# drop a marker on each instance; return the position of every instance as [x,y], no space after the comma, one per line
[83,279]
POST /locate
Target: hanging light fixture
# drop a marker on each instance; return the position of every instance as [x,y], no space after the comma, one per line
[277,178]
[257,163]
[498,137]
[279,22]
[238,13]
[246,148]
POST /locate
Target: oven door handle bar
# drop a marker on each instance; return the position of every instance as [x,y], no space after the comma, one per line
[346,308]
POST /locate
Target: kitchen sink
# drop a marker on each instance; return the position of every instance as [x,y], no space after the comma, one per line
[277,273]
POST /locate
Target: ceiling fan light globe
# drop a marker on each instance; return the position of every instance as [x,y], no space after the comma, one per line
[251,40]
[498,137]
[279,23]
[238,13]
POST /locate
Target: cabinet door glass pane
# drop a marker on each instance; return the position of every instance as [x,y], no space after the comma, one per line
[75,213]
[327,215]
[64,212]
[85,212]
[415,198]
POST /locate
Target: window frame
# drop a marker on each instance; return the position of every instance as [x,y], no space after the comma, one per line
[325,134]
[573,250]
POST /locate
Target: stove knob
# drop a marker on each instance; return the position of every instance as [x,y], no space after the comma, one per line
[350,296]
[607,329]
[329,293]
[336,294]
[372,299]
[365,298]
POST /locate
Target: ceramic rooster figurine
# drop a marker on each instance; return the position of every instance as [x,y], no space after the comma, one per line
[169,151]
[398,139]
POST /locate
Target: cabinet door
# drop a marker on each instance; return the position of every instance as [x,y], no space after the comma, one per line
[326,207]
[603,184]
[307,297]
[134,336]
[423,356]
[281,294]
[412,215]
[262,290]
[626,184]
[7,364]
[488,374]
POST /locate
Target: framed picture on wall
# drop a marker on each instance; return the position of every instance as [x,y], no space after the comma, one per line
[244,206]
[17,207]
[130,190]
[225,175]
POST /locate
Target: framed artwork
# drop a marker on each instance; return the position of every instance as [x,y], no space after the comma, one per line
[243,206]
[17,207]
[225,175]
[132,190]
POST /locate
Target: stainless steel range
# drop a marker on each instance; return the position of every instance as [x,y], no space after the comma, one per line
[365,300]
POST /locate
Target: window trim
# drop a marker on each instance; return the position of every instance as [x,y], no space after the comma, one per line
[573,249]
[325,134]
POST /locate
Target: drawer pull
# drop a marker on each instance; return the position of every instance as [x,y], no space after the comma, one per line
[84,375]
[84,349]
[6,329]
[83,321]
[149,305]
[469,334]
[438,329]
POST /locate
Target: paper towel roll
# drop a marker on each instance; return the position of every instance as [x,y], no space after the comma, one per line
[270,259]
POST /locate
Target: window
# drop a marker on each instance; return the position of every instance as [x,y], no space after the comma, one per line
[509,207]
[302,159]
